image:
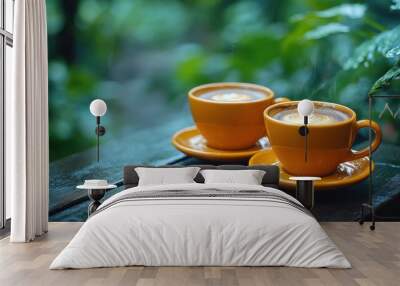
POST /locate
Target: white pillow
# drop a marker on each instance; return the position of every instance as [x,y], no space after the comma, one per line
[248,177]
[164,176]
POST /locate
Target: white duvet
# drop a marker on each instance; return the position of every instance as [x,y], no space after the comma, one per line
[200,231]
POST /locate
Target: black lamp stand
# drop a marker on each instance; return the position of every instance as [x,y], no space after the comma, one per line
[100,131]
[303,130]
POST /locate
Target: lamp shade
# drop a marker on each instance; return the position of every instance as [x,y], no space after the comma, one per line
[98,107]
[305,107]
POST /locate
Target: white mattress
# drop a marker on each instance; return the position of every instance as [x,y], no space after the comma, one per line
[200,231]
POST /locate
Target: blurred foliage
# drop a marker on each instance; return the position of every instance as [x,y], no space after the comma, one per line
[395,5]
[142,56]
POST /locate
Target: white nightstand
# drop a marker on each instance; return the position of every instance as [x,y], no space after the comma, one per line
[305,190]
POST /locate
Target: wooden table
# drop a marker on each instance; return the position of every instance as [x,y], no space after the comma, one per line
[153,147]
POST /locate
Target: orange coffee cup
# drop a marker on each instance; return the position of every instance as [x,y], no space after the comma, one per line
[330,141]
[229,120]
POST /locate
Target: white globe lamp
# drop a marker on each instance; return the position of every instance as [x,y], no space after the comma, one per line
[98,108]
[305,107]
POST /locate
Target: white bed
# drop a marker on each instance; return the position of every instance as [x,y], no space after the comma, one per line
[184,230]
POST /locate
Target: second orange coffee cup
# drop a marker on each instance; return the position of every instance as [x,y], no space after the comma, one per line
[332,133]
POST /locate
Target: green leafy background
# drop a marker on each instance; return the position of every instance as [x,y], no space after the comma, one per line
[142,56]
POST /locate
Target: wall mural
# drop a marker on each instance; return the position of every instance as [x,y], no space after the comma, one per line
[142,58]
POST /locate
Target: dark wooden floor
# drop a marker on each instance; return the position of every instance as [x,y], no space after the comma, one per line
[375,257]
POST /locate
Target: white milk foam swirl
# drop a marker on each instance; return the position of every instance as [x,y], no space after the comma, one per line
[320,116]
[233,95]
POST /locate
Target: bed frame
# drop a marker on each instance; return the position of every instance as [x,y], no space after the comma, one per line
[270,179]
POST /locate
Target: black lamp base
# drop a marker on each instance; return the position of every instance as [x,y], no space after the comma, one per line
[303,130]
[95,196]
[100,130]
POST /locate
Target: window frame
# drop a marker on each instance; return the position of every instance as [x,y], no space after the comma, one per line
[6,39]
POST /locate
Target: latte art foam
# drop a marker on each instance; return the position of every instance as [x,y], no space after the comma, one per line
[320,116]
[233,95]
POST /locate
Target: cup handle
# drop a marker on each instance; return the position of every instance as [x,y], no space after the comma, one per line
[374,145]
[281,99]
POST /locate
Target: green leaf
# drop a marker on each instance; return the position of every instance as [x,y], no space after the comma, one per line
[326,30]
[395,5]
[386,79]
[386,44]
[353,11]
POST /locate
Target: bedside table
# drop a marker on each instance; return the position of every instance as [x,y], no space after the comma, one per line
[95,194]
[305,190]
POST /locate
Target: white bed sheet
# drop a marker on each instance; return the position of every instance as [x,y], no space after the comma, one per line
[200,231]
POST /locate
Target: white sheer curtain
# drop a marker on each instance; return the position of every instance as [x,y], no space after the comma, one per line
[27,124]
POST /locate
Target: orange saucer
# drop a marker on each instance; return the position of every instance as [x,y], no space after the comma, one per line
[347,173]
[192,143]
